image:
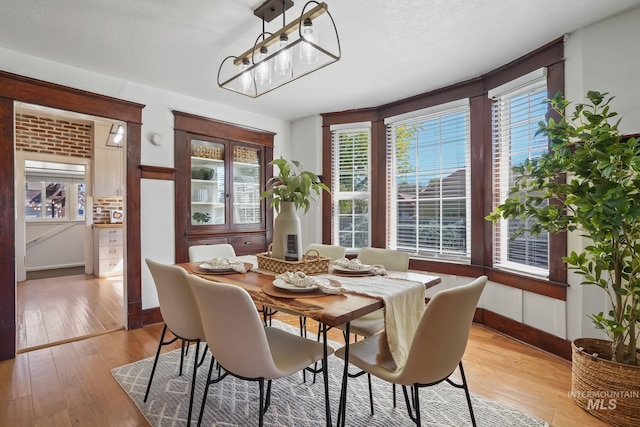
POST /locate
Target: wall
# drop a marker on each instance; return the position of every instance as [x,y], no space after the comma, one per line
[44,240]
[600,57]
[157,211]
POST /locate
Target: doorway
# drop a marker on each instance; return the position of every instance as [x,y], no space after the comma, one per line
[25,89]
[58,201]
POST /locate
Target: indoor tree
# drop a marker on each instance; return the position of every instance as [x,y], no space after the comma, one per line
[600,199]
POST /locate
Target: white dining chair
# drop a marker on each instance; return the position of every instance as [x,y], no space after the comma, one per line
[207,252]
[181,317]
[436,350]
[331,251]
[392,260]
[243,347]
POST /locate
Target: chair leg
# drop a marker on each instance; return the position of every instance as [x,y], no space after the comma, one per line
[466,392]
[155,362]
[393,387]
[182,353]
[193,381]
[264,401]
[370,392]
[206,391]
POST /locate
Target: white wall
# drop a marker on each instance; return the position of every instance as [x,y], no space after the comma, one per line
[156,214]
[602,57]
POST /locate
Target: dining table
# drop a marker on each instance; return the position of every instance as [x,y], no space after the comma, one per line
[330,310]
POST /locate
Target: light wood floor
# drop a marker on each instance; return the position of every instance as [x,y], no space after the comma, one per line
[59,309]
[71,384]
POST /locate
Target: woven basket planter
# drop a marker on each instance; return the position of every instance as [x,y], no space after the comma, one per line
[312,263]
[608,390]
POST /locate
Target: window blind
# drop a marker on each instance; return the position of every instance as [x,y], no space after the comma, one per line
[351,189]
[515,117]
[428,183]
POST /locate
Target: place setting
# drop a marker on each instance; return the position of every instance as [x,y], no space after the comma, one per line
[355,268]
[299,285]
[218,266]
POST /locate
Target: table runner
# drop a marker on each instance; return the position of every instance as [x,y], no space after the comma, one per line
[403,307]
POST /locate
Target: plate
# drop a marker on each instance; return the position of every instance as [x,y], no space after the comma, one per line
[281,284]
[342,270]
[208,267]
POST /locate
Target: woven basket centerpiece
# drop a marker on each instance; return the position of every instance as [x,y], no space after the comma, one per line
[311,263]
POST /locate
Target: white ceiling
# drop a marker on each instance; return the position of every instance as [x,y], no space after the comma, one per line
[390,49]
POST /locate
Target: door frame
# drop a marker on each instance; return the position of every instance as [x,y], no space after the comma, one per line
[13,88]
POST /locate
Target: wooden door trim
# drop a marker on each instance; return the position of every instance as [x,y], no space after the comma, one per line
[14,87]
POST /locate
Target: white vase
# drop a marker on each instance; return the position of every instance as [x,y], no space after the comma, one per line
[286,234]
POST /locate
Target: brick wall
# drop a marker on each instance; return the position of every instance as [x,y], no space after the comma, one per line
[106,204]
[53,136]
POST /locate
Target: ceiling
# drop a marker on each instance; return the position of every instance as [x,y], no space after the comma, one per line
[390,49]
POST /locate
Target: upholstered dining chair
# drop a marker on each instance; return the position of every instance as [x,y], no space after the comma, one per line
[435,352]
[247,349]
[207,252]
[392,260]
[332,251]
[181,317]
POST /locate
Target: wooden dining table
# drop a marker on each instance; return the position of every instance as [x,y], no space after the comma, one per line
[328,309]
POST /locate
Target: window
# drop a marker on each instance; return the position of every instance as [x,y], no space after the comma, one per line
[517,109]
[351,191]
[428,175]
[54,191]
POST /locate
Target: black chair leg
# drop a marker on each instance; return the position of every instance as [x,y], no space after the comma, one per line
[393,387]
[155,362]
[466,392]
[193,381]
[370,392]
[206,391]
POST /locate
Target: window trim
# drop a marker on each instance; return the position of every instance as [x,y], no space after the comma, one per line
[550,56]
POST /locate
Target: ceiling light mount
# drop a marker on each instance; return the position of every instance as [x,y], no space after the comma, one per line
[291,52]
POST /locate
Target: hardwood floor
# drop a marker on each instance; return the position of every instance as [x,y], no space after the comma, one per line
[71,384]
[59,309]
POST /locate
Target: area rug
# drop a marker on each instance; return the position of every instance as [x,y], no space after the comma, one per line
[234,402]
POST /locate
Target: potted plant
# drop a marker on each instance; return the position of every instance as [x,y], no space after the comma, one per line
[601,201]
[293,188]
[201,217]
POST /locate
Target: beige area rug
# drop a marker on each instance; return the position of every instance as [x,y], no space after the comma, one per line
[234,402]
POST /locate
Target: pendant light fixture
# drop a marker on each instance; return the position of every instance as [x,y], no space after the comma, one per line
[281,57]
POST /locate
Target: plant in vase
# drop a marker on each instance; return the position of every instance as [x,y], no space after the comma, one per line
[601,201]
[201,217]
[293,188]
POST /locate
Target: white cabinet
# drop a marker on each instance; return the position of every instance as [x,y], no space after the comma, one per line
[107,177]
[108,253]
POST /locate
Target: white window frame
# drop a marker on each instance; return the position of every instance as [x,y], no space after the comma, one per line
[442,110]
[535,81]
[336,194]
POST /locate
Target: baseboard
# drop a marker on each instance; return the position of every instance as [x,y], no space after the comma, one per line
[151,316]
[525,333]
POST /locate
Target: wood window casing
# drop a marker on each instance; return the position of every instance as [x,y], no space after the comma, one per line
[550,56]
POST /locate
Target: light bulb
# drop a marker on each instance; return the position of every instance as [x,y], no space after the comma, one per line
[245,77]
[282,66]
[308,53]
[263,72]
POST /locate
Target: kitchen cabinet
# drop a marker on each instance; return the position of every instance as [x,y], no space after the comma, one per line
[107,177]
[221,171]
[108,250]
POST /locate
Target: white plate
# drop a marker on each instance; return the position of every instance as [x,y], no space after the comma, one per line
[279,283]
[210,267]
[351,271]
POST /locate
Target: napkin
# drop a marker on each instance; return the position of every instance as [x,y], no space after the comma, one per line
[301,280]
[225,263]
[356,265]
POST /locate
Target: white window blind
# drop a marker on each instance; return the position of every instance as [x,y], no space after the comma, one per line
[516,113]
[351,190]
[428,183]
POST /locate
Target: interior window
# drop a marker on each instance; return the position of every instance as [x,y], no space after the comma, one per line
[518,107]
[351,190]
[428,175]
[54,191]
